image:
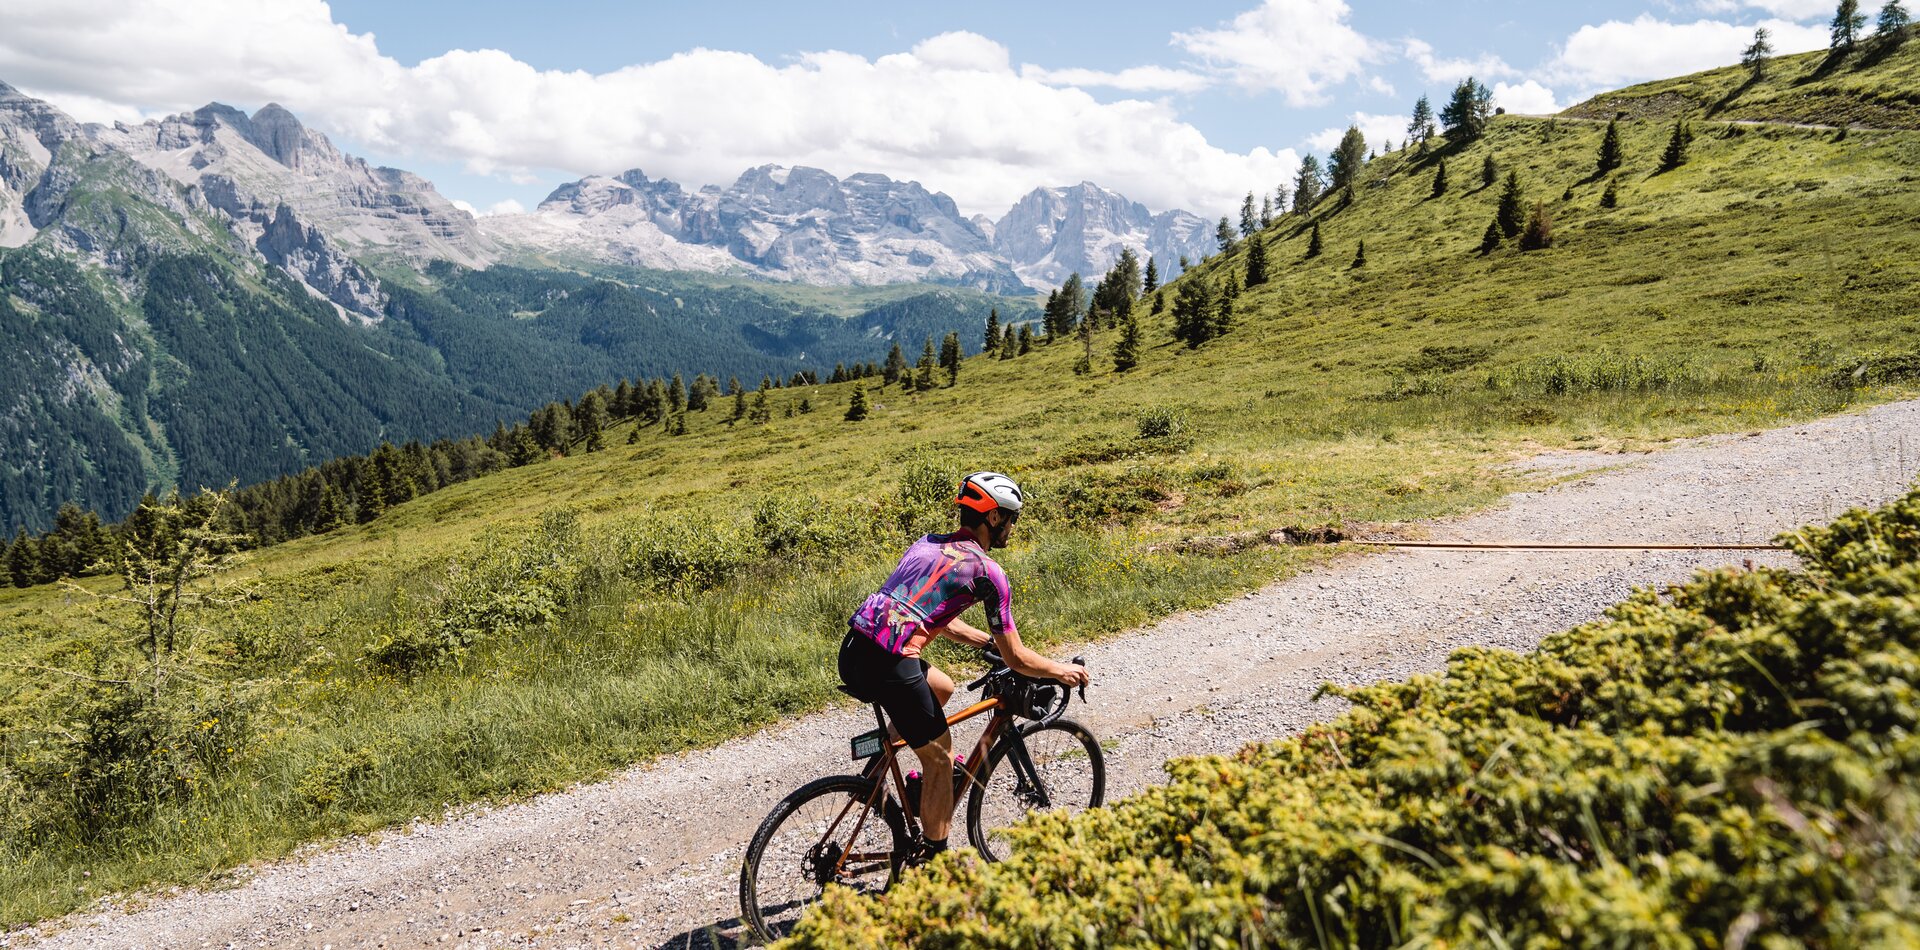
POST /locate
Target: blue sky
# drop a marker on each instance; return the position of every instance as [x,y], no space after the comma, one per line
[1173,104]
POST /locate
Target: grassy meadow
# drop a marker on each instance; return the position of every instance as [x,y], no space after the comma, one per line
[547,624]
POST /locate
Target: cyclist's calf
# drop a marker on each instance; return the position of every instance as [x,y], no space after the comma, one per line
[936,786]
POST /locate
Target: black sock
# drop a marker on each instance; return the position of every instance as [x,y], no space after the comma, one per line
[936,846]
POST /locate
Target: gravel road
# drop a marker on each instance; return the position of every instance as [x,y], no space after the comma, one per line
[650,857]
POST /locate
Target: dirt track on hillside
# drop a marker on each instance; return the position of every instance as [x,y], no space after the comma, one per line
[650,857]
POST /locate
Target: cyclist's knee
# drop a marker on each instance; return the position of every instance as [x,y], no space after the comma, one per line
[938,753]
[941,684]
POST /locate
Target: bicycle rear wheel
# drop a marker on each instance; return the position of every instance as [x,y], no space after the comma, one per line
[1058,765]
[815,837]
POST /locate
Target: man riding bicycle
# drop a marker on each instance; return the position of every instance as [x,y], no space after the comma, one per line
[939,577]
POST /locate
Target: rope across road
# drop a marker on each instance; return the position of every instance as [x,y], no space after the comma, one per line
[1566,546]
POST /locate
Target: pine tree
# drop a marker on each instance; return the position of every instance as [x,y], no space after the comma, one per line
[1313,241]
[739,404]
[1847,24]
[1159,302]
[1344,165]
[1512,214]
[1026,338]
[1224,233]
[1194,306]
[1153,277]
[991,341]
[23,559]
[1307,185]
[1084,365]
[1360,254]
[1610,156]
[1249,219]
[1490,241]
[1893,22]
[1539,233]
[591,418]
[622,406]
[1467,113]
[1440,179]
[923,377]
[1282,199]
[676,396]
[1756,56]
[1266,211]
[1676,153]
[1611,197]
[1126,353]
[702,392]
[1256,262]
[1420,129]
[857,404]
[1489,172]
[950,354]
[760,410]
[896,364]
[1009,344]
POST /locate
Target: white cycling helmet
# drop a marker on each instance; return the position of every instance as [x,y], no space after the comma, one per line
[986,491]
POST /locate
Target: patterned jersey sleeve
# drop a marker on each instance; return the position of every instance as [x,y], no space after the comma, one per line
[995,594]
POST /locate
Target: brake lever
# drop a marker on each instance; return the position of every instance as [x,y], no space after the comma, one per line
[1081,661]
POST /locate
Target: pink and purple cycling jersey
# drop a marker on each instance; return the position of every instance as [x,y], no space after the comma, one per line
[939,577]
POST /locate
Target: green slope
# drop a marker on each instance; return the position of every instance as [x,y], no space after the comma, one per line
[694,590]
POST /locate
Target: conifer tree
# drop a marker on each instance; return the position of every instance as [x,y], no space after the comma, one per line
[1676,153]
[676,396]
[1256,262]
[839,374]
[1512,214]
[1266,211]
[1194,306]
[1153,277]
[923,377]
[1026,338]
[1307,185]
[761,411]
[1183,265]
[1313,241]
[1084,364]
[991,341]
[1159,302]
[1466,114]
[1224,234]
[1360,254]
[739,404]
[1611,197]
[23,559]
[591,419]
[950,354]
[1539,232]
[622,406]
[1440,178]
[1756,56]
[1126,353]
[1009,343]
[1420,128]
[1490,241]
[1249,219]
[896,364]
[1489,172]
[857,404]
[1282,198]
[1610,157]
[1893,22]
[702,392]
[1847,24]
[1344,165]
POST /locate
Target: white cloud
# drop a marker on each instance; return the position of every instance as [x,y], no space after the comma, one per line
[1436,69]
[1134,79]
[1295,47]
[1376,127]
[1527,98]
[508,206]
[1616,53]
[950,112]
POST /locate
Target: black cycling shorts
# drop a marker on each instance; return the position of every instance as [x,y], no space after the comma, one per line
[897,683]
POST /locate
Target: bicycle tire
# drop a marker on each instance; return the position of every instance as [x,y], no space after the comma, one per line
[757,874]
[997,799]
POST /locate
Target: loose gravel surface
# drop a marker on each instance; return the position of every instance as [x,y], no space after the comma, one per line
[650,858]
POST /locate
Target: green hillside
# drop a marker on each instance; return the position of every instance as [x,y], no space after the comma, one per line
[527,629]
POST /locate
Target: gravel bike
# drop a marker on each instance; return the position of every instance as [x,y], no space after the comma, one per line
[856,830]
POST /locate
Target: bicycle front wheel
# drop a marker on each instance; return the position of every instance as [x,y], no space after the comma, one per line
[824,833]
[1058,765]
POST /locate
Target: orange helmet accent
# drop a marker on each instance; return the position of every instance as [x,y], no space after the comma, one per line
[972,497]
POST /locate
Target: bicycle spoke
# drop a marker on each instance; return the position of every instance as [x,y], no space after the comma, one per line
[820,842]
[1050,769]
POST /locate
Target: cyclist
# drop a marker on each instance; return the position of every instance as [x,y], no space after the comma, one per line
[940,576]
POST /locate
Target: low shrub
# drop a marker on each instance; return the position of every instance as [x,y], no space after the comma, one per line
[1729,762]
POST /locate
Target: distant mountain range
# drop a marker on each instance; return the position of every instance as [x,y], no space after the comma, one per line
[323,216]
[803,224]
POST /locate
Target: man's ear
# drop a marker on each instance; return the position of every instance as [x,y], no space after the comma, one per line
[994,518]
